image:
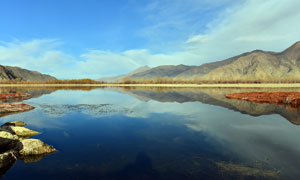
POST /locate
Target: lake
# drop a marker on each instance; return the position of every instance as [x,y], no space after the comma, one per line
[158,133]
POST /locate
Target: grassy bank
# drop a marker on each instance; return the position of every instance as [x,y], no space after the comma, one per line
[267,85]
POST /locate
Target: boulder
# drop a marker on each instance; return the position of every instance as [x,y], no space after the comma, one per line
[15,123]
[23,132]
[35,147]
[14,145]
[7,158]
[8,135]
[7,141]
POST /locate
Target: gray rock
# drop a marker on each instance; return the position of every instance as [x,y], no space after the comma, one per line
[23,132]
[7,141]
[35,147]
[14,145]
[8,135]
[7,158]
[15,123]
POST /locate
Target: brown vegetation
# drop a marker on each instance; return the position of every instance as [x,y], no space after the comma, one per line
[168,80]
[72,81]
[160,80]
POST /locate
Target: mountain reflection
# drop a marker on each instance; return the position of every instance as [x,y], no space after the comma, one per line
[216,96]
[212,96]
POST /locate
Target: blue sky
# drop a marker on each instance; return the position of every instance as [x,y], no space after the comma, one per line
[96,38]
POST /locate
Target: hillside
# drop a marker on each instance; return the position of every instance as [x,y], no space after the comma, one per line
[260,65]
[184,71]
[251,66]
[123,76]
[14,73]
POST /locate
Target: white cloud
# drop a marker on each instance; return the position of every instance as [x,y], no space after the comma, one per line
[254,24]
[35,55]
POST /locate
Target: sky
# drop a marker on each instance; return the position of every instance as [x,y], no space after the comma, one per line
[97,38]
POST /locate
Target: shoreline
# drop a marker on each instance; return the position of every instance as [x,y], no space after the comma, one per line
[269,85]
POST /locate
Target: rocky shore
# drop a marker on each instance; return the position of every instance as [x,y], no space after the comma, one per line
[15,143]
[279,98]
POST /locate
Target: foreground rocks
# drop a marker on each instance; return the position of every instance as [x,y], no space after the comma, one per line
[280,98]
[14,145]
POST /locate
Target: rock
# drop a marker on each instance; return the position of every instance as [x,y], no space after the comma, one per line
[7,158]
[22,131]
[280,98]
[8,136]
[12,128]
[7,141]
[15,123]
[14,145]
[35,147]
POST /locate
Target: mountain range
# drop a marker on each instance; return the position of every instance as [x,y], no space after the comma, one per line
[255,65]
[16,73]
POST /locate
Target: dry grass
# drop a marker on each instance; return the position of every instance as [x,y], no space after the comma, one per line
[267,85]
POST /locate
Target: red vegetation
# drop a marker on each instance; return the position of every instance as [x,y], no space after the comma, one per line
[14,96]
[16,107]
[280,98]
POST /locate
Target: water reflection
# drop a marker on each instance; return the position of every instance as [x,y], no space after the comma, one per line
[216,96]
[139,133]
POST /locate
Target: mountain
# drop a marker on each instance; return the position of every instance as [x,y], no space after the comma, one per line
[253,66]
[261,65]
[183,71]
[123,76]
[13,73]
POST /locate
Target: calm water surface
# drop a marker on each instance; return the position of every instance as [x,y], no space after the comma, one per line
[158,134]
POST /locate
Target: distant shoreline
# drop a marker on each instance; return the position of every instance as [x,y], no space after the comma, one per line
[270,85]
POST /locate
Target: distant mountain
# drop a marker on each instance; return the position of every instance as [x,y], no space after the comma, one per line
[123,76]
[13,73]
[163,71]
[261,65]
[183,71]
[255,65]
